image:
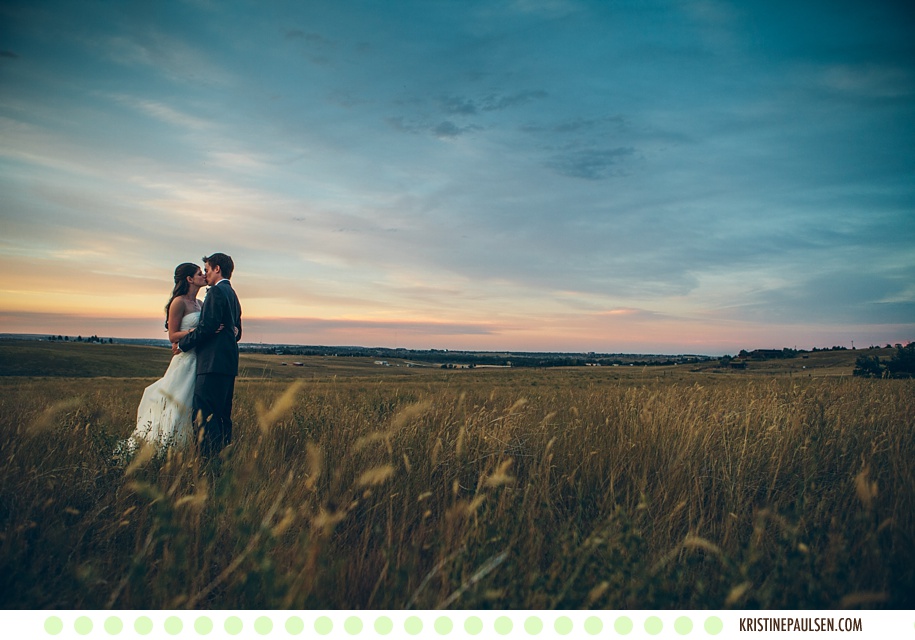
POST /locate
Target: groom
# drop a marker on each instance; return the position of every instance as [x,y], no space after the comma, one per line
[217,357]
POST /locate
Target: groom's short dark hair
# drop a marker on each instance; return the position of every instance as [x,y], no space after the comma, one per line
[224,262]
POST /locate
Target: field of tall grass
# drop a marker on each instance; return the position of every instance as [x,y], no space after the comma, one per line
[502,489]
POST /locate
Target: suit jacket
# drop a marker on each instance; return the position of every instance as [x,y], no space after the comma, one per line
[216,352]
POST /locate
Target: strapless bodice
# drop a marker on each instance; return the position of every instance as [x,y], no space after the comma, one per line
[190,321]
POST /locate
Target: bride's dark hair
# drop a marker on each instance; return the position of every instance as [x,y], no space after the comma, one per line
[183,271]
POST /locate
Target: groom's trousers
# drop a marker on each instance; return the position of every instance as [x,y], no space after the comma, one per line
[213,393]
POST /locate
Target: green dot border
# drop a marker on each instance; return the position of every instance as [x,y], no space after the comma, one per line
[53,625]
[713,625]
[379,624]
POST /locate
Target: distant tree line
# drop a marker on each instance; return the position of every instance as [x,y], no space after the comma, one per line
[477,358]
[900,365]
[757,354]
[94,339]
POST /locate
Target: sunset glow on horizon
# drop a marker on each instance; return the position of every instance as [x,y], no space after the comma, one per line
[509,175]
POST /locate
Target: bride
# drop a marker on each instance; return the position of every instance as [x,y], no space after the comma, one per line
[164,415]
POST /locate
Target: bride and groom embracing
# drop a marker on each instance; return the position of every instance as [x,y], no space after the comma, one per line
[196,392]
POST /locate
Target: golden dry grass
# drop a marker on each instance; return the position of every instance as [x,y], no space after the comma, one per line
[504,489]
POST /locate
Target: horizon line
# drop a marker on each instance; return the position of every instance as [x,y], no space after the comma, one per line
[44,336]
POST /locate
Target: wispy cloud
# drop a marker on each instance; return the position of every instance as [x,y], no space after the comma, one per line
[448,129]
[445,129]
[576,125]
[465,106]
[549,8]
[171,56]
[591,164]
[870,81]
[163,112]
[303,326]
[237,161]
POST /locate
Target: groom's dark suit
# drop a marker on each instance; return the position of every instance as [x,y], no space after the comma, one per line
[217,366]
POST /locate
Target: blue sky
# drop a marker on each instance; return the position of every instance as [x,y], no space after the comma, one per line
[552,175]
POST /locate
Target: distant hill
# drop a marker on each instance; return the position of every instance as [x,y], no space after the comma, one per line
[826,362]
[425,356]
[22,355]
[81,359]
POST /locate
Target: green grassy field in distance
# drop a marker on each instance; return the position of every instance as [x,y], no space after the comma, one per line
[80,359]
[33,358]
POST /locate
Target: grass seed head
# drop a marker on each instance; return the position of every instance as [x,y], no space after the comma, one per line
[144,455]
[375,476]
[267,418]
[500,476]
[865,488]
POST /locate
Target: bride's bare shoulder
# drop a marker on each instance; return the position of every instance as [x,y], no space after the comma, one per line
[181,306]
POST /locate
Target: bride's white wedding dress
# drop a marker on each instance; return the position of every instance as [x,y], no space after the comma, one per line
[165,411]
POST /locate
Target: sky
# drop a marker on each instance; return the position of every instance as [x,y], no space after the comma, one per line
[528,175]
